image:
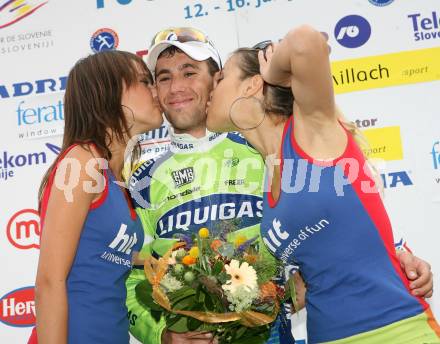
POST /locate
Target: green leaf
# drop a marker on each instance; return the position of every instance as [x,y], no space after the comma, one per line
[223,277]
[201,296]
[218,267]
[240,332]
[204,264]
[193,324]
[180,294]
[185,304]
[144,292]
[178,325]
[209,304]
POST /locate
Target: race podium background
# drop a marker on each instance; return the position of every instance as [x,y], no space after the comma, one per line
[386,71]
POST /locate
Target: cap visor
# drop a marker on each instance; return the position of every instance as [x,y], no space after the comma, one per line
[195,50]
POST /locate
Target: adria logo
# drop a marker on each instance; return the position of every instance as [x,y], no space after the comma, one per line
[15,10]
[23,229]
[17,308]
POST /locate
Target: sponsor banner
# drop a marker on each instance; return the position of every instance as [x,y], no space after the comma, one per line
[104,39]
[33,87]
[17,308]
[384,143]
[13,162]
[435,156]
[39,117]
[426,25]
[435,152]
[23,229]
[407,67]
[352,31]
[396,179]
[13,11]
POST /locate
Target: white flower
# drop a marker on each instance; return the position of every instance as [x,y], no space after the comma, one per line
[170,283]
[241,275]
[242,299]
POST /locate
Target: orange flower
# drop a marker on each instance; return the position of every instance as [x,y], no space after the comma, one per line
[268,290]
[215,244]
[188,260]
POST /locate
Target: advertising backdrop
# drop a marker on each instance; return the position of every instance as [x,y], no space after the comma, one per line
[386,69]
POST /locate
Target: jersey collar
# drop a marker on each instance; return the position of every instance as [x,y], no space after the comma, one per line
[186,143]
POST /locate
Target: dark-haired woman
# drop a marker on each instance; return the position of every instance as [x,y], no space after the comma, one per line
[322,209]
[89,228]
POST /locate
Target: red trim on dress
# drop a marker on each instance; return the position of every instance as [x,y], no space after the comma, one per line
[133,213]
[375,209]
[97,203]
[270,200]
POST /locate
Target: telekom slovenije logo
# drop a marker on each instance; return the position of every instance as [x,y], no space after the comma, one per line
[15,10]
[23,229]
[17,308]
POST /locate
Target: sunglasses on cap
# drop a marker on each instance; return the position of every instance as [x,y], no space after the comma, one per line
[184,35]
[181,34]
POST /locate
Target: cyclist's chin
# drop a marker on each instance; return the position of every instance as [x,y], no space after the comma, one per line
[186,119]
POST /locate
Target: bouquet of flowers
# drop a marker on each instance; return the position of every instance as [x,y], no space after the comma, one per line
[205,283]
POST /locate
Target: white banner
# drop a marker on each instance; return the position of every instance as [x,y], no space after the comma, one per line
[386,74]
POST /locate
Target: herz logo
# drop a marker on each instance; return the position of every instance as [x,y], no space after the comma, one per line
[17,308]
[183,176]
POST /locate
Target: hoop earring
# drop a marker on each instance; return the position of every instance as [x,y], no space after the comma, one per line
[246,98]
[132,115]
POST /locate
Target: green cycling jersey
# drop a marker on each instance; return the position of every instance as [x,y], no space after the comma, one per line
[197,183]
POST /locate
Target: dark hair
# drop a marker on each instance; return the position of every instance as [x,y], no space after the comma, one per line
[172,50]
[92,101]
[277,99]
